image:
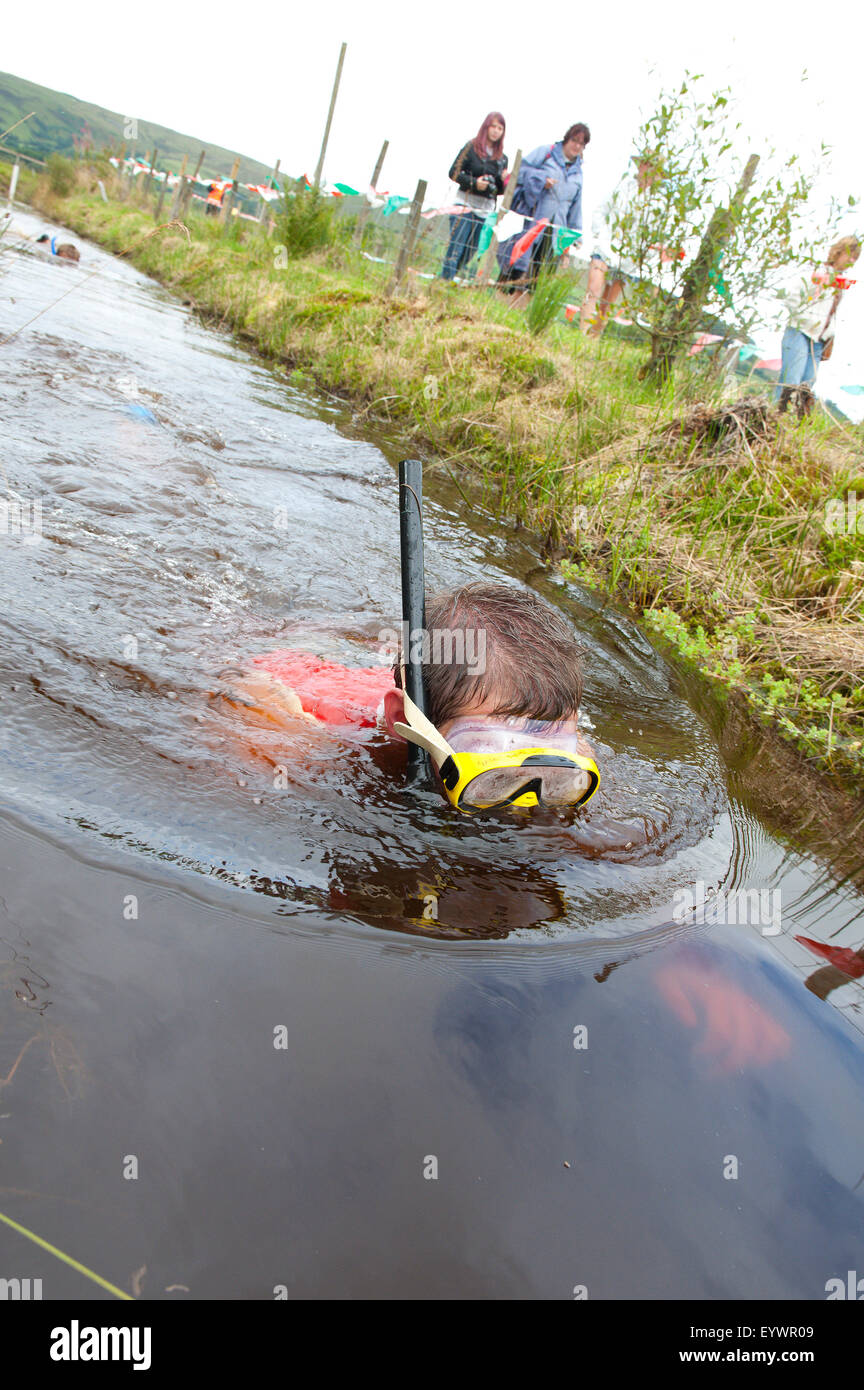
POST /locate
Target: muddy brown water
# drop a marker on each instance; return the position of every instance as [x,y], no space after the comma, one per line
[168,915]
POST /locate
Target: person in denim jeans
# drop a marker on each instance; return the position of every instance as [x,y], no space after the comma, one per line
[478,170]
[809,337]
[549,188]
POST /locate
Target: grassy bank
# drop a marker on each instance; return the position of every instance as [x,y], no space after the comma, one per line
[708,519]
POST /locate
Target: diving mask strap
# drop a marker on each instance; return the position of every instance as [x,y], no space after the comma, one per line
[420,730]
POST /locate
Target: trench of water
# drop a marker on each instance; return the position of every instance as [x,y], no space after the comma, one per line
[165,909]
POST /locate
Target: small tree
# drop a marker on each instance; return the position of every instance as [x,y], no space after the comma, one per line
[304,221]
[61,174]
[704,236]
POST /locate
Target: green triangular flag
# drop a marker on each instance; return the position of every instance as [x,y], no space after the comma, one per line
[564,239]
[486,233]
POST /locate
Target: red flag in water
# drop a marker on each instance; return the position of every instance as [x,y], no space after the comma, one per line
[528,239]
[848,961]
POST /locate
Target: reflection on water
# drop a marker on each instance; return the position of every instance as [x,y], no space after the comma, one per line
[167,903]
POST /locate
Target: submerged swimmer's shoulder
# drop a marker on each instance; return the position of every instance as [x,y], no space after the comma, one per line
[296,683]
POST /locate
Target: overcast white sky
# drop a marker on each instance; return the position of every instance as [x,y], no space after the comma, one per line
[258,79]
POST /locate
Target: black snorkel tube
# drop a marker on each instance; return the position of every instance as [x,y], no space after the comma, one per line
[413,597]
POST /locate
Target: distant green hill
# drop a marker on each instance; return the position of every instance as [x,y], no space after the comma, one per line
[60,120]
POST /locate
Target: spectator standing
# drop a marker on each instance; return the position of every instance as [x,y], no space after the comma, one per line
[809,336]
[215,193]
[549,186]
[478,170]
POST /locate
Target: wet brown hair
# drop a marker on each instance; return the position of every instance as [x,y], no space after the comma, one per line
[533,661]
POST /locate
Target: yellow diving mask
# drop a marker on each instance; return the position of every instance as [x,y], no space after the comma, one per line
[506,762]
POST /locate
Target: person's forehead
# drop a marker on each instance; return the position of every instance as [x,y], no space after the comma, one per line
[484,712]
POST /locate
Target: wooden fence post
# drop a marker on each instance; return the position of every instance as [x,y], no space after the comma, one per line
[150,173]
[273,177]
[180,189]
[228,194]
[139,181]
[187,191]
[487,261]
[367,207]
[408,238]
[161,199]
[320,166]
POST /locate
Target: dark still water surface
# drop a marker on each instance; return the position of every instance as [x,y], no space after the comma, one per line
[228,978]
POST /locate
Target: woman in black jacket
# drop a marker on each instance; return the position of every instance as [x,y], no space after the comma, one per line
[478,169]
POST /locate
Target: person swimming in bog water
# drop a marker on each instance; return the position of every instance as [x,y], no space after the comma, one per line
[516,678]
[63,249]
[503,679]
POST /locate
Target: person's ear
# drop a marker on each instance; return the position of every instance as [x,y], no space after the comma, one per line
[394,711]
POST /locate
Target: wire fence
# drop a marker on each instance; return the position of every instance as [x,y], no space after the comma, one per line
[404,243]
[407,240]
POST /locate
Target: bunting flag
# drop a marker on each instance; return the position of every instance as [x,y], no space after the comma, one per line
[394,202]
[703,341]
[486,233]
[564,239]
[842,957]
[271,190]
[715,277]
[769,364]
[452,210]
[853,390]
[528,239]
[747,352]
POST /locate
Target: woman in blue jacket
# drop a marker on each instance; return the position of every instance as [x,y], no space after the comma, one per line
[478,170]
[549,185]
